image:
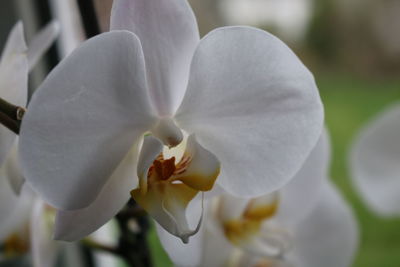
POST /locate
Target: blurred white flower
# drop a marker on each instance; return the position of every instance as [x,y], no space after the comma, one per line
[251,110]
[15,63]
[306,224]
[23,220]
[374,163]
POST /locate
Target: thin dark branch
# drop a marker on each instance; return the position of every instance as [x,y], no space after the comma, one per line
[97,246]
[11,115]
[133,245]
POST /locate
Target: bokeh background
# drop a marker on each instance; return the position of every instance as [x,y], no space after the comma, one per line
[351,46]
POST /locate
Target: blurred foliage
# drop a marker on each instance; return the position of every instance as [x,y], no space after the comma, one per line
[320,37]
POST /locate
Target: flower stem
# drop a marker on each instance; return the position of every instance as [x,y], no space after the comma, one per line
[133,240]
[11,115]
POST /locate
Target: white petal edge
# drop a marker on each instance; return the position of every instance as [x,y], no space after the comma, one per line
[82,122]
[253,104]
[75,225]
[300,195]
[42,42]
[374,162]
[328,236]
[169,35]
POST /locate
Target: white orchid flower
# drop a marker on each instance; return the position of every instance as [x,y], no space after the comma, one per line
[375,165]
[251,110]
[27,229]
[306,224]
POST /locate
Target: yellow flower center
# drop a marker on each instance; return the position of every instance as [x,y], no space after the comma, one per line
[249,224]
[15,245]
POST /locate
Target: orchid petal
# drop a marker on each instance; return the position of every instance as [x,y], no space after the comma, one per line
[41,43]
[328,236]
[169,35]
[181,254]
[300,195]
[44,248]
[13,81]
[75,225]
[82,121]
[244,229]
[151,148]
[375,163]
[202,168]
[254,105]
[167,205]
[12,171]
[15,44]
[206,248]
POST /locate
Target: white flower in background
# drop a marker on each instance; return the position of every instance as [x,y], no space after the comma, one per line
[24,218]
[251,110]
[374,163]
[305,224]
[15,63]
[26,228]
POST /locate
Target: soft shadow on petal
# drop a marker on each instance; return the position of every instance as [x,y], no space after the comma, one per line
[76,224]
[374,163]
[41,42]
[252,103]
[328,236]
[168,32]
[13,81]
[301,194]
[84,119]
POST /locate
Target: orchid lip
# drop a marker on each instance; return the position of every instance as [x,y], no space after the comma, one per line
[166,187]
